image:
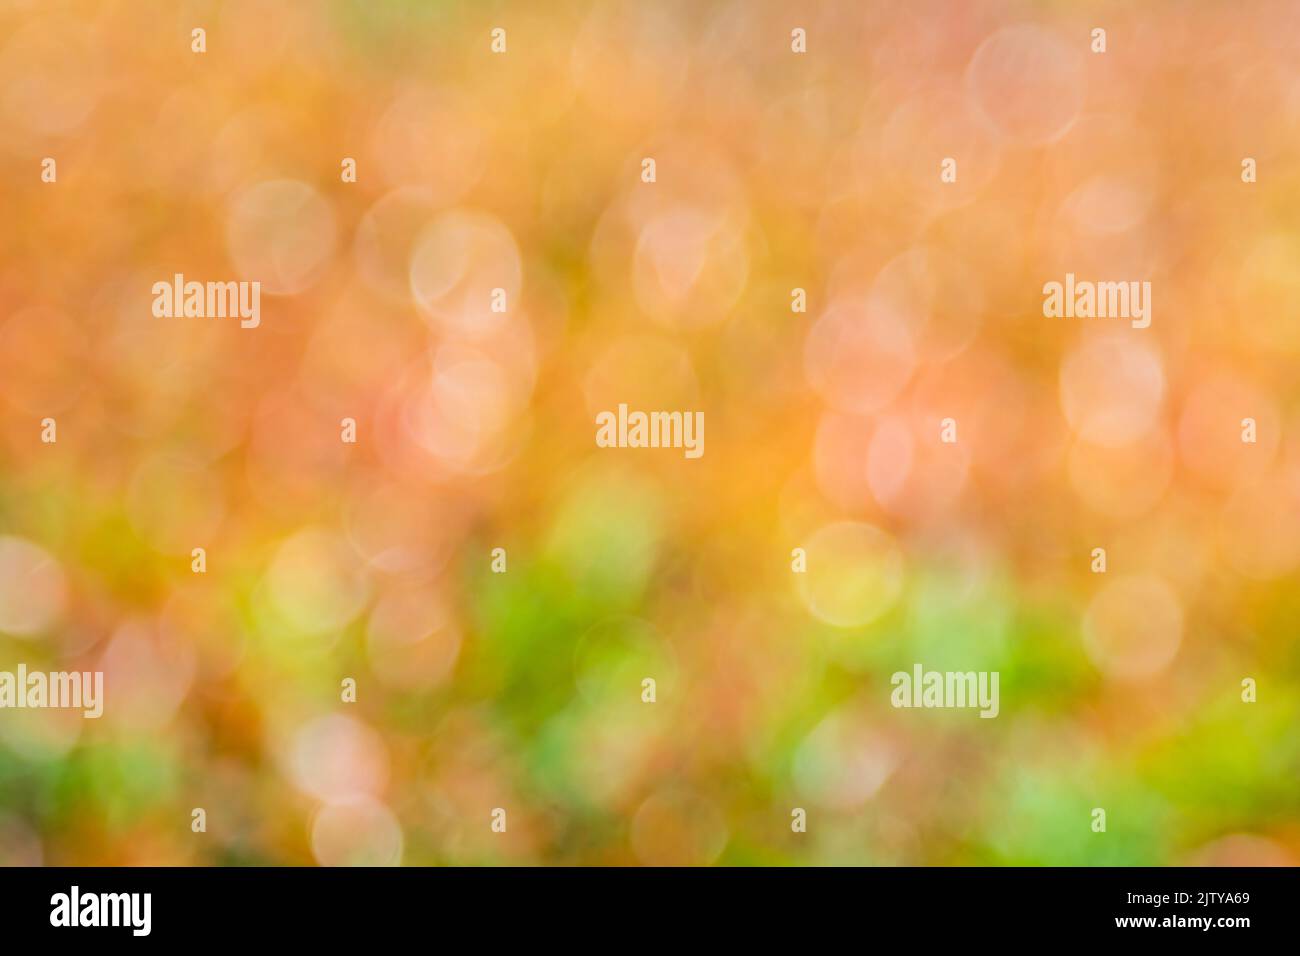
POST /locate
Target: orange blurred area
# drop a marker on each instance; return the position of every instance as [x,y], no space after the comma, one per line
[365,589]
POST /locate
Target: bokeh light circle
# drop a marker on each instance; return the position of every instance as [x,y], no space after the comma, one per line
[855,574]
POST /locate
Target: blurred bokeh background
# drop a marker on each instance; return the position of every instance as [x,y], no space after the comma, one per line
[475,430]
